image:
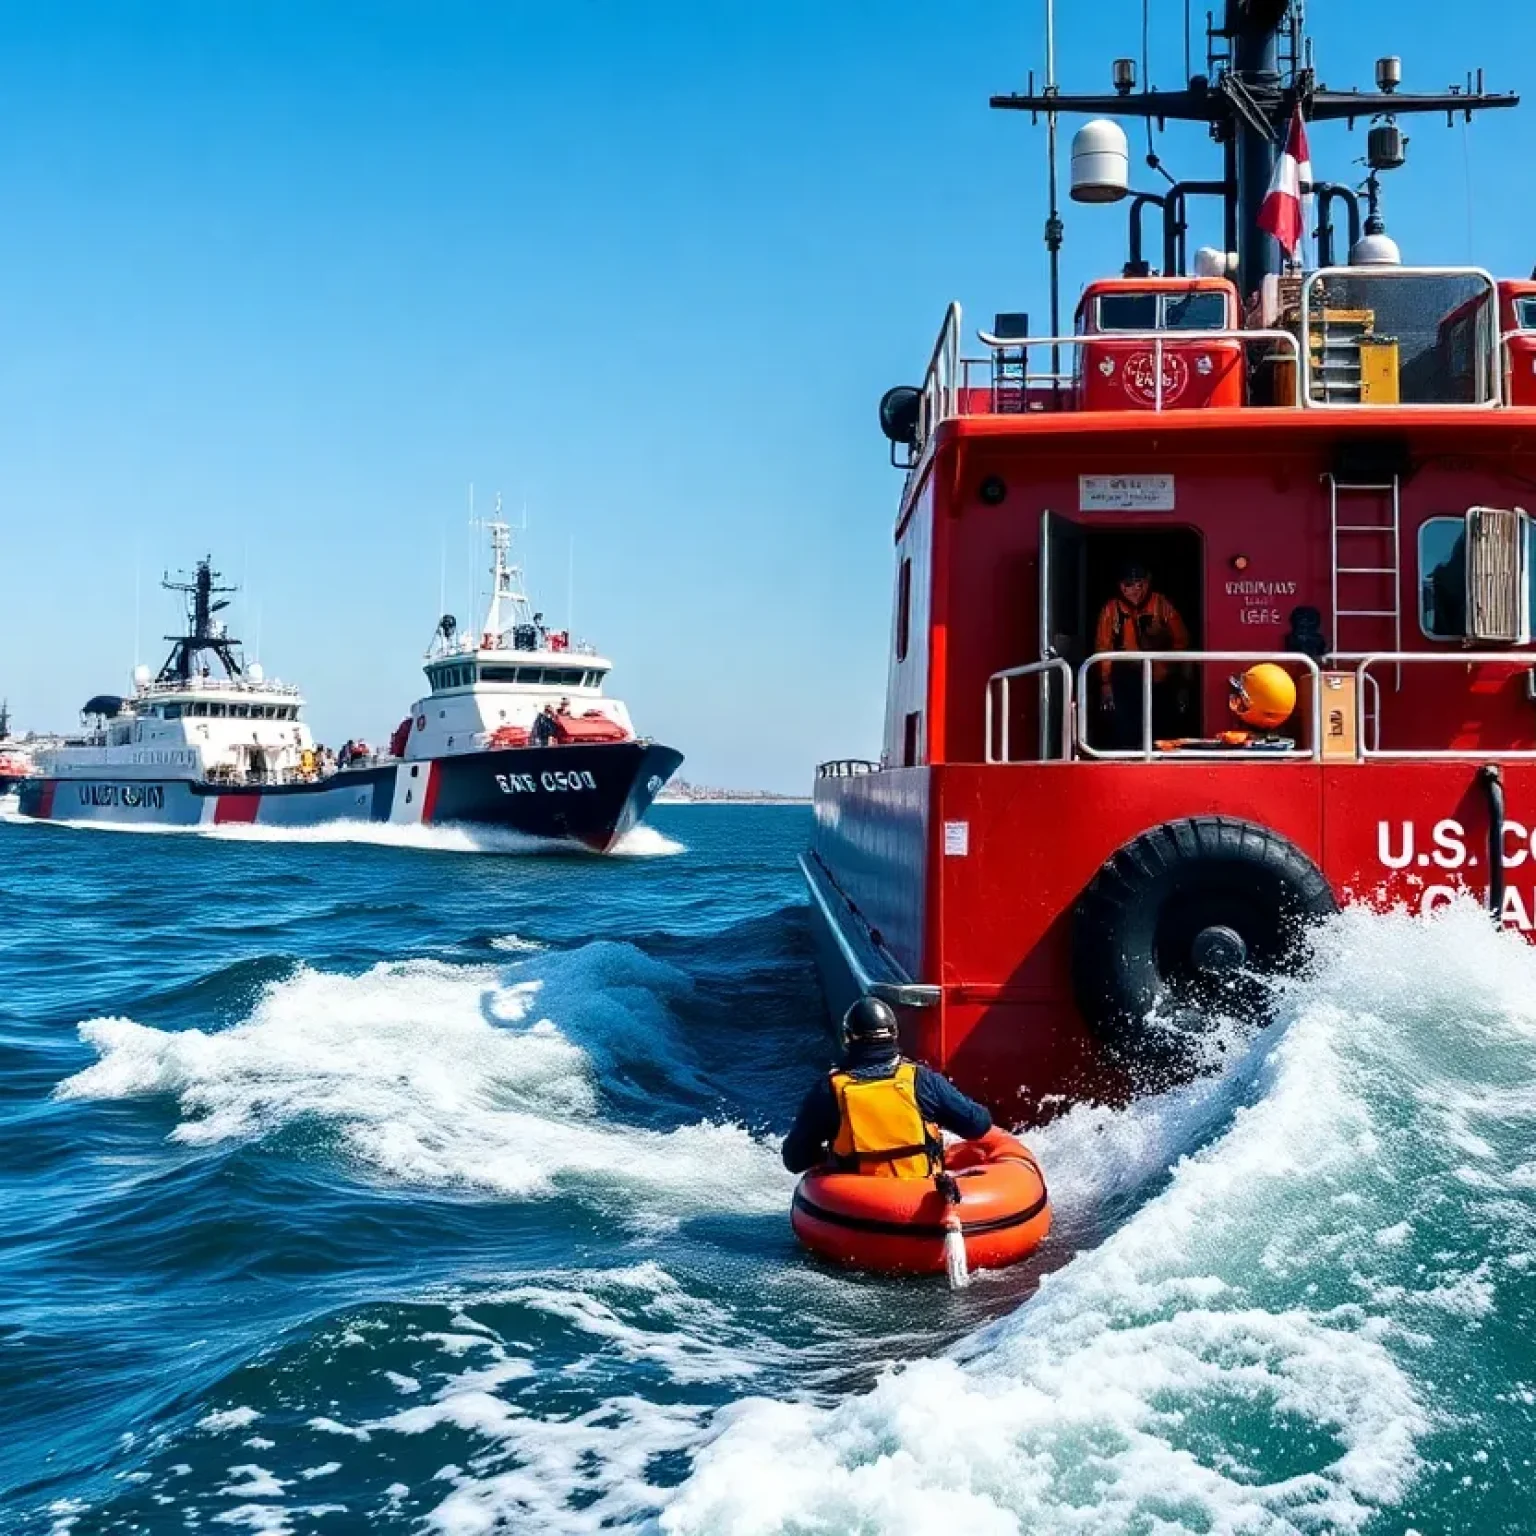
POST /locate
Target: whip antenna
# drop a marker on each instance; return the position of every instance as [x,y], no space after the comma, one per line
[1053,224]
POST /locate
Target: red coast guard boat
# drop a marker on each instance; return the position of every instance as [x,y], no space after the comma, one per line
[1325,467]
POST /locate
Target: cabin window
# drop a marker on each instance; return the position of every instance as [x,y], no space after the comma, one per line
[200,710]
[1443,578]
[1162,311]
[904,609]
[498,674]
[1128,312]
[568,677]
[1525,314]
[1194,311]
[173,711]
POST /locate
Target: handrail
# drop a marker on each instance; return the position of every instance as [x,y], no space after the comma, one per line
[1492,384]
[1507,364]
[1148,659]
[938,398]
[215,685]
[1158,340]
[1031,669]
[1363,753]
[910,994]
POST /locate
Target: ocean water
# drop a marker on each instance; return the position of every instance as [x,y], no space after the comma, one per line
[422,1185]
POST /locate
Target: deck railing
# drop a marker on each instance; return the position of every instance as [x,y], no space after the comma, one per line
[1147,660]
[998,685]
[950,377]
[1365,752]
[1158,340]
[1075,697]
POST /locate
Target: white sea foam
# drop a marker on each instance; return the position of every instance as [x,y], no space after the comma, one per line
[641,842]
[472,1077]
[1245,1342]
[1250,1298]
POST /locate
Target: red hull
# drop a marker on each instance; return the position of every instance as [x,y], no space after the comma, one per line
[953,881]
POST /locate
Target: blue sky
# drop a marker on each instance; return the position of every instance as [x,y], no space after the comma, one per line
[280,279]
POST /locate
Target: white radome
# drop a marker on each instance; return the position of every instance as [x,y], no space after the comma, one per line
[1101,163]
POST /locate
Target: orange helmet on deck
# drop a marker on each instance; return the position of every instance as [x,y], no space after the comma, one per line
[1264,696]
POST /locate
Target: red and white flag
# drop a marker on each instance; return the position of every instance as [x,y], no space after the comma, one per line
[1284,211]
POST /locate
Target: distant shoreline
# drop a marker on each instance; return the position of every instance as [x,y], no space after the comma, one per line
[733,800]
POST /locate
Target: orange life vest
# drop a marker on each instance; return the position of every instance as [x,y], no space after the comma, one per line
[881,1130]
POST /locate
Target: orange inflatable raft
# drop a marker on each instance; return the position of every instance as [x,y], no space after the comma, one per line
[898,1225]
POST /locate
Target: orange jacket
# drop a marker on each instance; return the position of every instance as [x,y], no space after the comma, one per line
[1122,628]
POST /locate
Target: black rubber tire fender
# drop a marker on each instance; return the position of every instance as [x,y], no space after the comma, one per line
[1134,925]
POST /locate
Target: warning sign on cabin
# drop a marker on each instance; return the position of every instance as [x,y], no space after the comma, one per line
[1125,493]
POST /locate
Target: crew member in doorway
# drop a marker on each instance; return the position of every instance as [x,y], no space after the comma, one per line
[1137,618]
[544,730]
[878,1113]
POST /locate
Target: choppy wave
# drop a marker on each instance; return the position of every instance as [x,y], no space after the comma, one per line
[1294,1298]
[497,1081]
[1267,1344]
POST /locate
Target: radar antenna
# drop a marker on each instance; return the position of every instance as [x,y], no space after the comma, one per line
[204,634]
[1246,97]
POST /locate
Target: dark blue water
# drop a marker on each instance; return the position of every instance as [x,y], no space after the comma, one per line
[402,1186]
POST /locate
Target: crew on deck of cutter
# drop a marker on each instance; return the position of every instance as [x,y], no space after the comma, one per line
[878,1113]
[1139,618]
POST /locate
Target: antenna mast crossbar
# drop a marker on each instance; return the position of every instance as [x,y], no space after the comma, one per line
[1262,76]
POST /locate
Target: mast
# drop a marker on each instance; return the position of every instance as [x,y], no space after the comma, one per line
[506,583]
[1246,100]
[204,634]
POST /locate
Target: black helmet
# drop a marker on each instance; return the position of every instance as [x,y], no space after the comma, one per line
[870,1022]
[1134,570]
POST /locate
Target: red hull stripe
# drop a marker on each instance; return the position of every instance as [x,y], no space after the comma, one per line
[235,808]
[45,800]
[429,794]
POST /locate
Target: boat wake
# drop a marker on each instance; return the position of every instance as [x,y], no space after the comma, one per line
[1268,1343]
[1288,1280]
[641,842]
[456,1077]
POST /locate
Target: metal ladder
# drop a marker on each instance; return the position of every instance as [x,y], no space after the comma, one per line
[1009,384]
[1387,530]
[1337,370]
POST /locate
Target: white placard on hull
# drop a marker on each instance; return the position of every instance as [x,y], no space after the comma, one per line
[957,839]
[1125,493]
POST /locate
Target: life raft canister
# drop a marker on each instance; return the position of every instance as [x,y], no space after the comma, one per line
[1196,913]
[881,1130]
[897,1226]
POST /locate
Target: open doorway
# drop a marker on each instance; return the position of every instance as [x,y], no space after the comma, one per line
[1089,610]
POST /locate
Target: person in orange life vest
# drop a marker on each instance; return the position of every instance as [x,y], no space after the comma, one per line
[878,1113]
[1137,618]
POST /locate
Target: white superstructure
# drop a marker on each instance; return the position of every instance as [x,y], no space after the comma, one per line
[236,729]
[206,715]
[506,674]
